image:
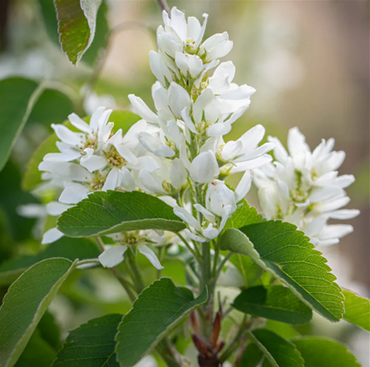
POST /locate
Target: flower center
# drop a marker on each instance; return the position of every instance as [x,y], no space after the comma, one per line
[114,158]
[190,46]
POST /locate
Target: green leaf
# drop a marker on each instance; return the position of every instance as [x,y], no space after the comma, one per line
[357,310]
[274,302]
[324,352]
[278,351]
[248,268]
[251,357]
[49,17]
[111,212]
[92,344]
[159,308]
[243,216]
[287,254]
[17,96]
[37,353]
[100,42]
[26,302]
[50,330]
[76,26]
[53,106]
[32,177]
[69,248]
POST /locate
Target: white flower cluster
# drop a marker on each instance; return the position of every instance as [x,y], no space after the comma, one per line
[178,151]
[303,187]
[193,112]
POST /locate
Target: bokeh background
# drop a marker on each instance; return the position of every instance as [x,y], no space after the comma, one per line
[308,60]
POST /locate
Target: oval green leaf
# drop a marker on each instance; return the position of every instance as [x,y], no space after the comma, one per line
[91,344]
[274,302]
[324,352]
[26,302]
[287,254]
[76,26]
[69,248]
[357,310]
[112,212]
[278,351]
[159,308]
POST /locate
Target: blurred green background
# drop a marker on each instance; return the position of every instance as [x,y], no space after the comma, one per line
[308,60]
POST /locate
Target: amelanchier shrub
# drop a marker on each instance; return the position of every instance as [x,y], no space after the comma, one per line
[157,187]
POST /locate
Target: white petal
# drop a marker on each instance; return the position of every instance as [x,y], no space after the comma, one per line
[335,231]
[210,232]
[219,51]
[95,117]
[73,193]
[51,235]
[113,180]
[67,136]
[280,152]
[150,255]
[127,179]
[178,173]
[178,99]
[186,118]
[186,217]
[80,124]
[332,205]
[296,142]
[244,186]
[207,214]
[344,181]
[204,167]
[324,193]
[112,256]
[344,214]
[150,183]
[93,162]
[194,237]
[55,208]
[142,109]
[219,129]
[205,98]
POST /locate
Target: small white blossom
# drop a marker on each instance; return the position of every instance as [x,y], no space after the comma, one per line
[304,188]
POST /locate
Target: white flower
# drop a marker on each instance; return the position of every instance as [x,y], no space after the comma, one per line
[220,204]
[114,255]
[245,154]
[304,188]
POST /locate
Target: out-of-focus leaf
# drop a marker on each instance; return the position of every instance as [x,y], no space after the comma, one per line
[36,353]
[278,351]
[69,248]
[286,253]
[357,310]
[159,308]
[76,26]
[11,197]
[93,342]
[248,268]
[32,177]
[50,20]
[52,106]
[251,357]
[26,302]
[324,352]
[112,212]
[50,330]
[274,302]
[17,96]
[281,328]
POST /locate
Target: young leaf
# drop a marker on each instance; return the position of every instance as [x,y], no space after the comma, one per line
[32,177]
[69,248]
[37,353]
[287,254]
[274,302]
[26,302]
[251,357]
[93,343]
[243,216]
[111,212]
[159,308]
[18,97]
[76,26]
[357,310]
[324,352]
[278,351]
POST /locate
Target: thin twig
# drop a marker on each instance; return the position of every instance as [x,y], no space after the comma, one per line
[164,6]
[195,252]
